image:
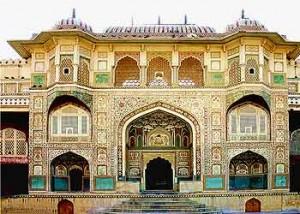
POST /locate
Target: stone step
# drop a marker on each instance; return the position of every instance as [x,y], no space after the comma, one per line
[160,205]
[158,212]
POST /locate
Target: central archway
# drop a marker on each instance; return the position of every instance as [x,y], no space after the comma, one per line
[159,175]
[123,141]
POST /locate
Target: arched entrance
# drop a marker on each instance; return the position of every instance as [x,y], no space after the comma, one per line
[159,175]
[252,205]
[70,172]
[248,170]
[159,133]
[65,207]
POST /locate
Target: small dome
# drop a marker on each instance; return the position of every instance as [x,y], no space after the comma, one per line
[73,23]
[245,24]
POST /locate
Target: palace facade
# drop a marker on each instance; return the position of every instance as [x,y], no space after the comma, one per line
[163,107]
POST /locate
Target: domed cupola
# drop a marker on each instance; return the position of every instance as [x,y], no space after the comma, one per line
[245,24]
[73,23]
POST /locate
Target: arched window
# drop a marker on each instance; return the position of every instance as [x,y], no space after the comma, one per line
[159,72]
[248,122]
[69,120]
[127,73]
[246,171]
[190,72]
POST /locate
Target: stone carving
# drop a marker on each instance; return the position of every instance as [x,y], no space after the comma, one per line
[216,154]
[37,154]
[37,121]
[216,118]
[280,153]
[102,156]
[38,103]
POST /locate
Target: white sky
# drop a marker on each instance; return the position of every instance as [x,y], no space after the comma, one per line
[21,18]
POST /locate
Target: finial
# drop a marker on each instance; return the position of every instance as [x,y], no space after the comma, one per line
[132,22]
[74,13]
[185,19]
[243,14]
[158,21]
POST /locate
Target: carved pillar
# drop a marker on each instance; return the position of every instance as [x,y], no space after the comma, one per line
[75,63]
[57,61]
[261,63]
[242,62]
[175,81]
[143,76]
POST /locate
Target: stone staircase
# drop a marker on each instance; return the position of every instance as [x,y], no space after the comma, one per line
[159,205]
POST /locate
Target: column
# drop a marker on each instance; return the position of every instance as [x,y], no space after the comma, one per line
[261,63]
[143,76]
[143,66]
[75,63]
[57,60]
[175,66]
[242,62]
[175,81]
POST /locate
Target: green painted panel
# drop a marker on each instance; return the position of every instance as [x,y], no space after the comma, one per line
[38,79]
[214,183]
[61,183]
[280,181]
[216,78]
[101,78]
[104,183]
[278,78]
[38,183]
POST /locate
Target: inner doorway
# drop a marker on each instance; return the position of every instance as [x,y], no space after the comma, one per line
[76,179]
[159,175]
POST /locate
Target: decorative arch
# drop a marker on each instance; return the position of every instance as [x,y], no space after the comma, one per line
[79,95]
[127,71]
[159,72]
[253,205]
[248,170]
[189,118]
[260,97]
[73,178]
[191,69]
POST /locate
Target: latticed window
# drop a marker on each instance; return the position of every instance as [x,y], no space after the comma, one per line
[69,121]
[13,142]
[248,122]
[252,70]
[66,68]
[52,71]
[234,71]
[83,71]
